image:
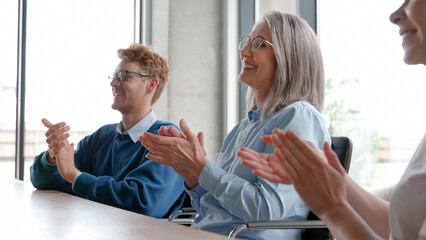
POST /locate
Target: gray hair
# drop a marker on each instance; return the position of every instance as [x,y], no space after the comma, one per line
[299,75]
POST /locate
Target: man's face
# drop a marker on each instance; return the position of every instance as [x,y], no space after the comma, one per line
[130,94]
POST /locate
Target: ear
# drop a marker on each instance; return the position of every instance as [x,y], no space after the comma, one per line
[152,85]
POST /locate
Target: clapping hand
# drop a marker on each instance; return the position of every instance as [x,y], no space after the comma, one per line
[57,140]
[183,152]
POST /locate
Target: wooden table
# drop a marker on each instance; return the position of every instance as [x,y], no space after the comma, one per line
[26,213]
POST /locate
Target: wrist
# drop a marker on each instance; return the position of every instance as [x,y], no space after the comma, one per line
[50,153]
[337,212]
[50,158]
[199,168]
[71,175]
[191,181]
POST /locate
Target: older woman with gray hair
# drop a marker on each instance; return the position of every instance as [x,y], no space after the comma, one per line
[283,69]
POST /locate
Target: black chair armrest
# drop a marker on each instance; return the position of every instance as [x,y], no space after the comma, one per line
[277,225]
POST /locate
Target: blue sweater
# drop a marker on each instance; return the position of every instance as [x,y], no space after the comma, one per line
[116,172]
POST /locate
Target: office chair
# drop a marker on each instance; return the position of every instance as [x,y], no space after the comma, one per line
[185,215]
[315,228]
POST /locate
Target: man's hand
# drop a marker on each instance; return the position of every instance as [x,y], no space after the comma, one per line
[56,136]
[65,162]
[57,140]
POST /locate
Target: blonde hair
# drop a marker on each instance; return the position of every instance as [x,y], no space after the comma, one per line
[154,64]
[299,75]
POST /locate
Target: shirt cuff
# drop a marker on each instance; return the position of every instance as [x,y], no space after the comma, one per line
[75,179]
[195,192]
[209,176]
[83,183]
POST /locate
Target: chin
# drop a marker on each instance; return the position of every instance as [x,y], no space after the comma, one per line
[114,106]
[240,78]
[414,55]
[413,61]
[243,79]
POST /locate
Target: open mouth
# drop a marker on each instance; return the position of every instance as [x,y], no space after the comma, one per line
[116,94]
[408,33]
[245,65]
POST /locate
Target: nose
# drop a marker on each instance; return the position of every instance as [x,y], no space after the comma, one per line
[246,51]
[398,16]
[114,82]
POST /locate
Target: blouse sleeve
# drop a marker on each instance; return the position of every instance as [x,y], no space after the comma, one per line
[252,198]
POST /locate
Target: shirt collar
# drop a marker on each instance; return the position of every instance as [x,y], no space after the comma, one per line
[142,126]
[253,116]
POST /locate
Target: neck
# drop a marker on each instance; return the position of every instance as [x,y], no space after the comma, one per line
[260,97]
[130,119]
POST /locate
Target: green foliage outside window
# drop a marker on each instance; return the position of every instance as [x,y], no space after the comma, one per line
[345,119]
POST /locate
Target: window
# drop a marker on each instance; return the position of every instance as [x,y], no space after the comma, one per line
[71,50]
[372,96]
[8,59]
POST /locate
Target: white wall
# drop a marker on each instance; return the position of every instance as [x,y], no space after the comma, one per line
[287,6]
[160,44]
[189,34]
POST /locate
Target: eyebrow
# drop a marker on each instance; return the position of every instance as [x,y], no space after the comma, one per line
[252,37]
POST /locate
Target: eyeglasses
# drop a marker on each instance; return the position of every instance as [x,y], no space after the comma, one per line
[122,75]
[256,43]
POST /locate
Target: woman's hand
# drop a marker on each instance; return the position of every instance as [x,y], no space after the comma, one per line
[183,152]
[317,176]
[267,166]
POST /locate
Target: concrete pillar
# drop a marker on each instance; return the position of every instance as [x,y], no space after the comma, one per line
[189,33]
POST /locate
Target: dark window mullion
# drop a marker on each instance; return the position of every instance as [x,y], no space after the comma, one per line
[20,91]
[247,20]
[308,11]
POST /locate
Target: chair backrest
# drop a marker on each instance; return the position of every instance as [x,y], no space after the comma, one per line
[342,146]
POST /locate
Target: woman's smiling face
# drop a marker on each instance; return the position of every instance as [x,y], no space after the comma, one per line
[411,19]
[258,68]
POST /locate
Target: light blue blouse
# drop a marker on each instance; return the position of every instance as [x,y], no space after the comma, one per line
[229,194]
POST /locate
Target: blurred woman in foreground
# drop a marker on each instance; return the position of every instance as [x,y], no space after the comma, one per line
[349,211]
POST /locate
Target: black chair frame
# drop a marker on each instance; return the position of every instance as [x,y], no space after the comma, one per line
[315,228]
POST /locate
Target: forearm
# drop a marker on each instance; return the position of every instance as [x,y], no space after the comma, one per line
[261,200]
[44,175]
[374,210]
[145,194]
[70,174]
[344,223]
